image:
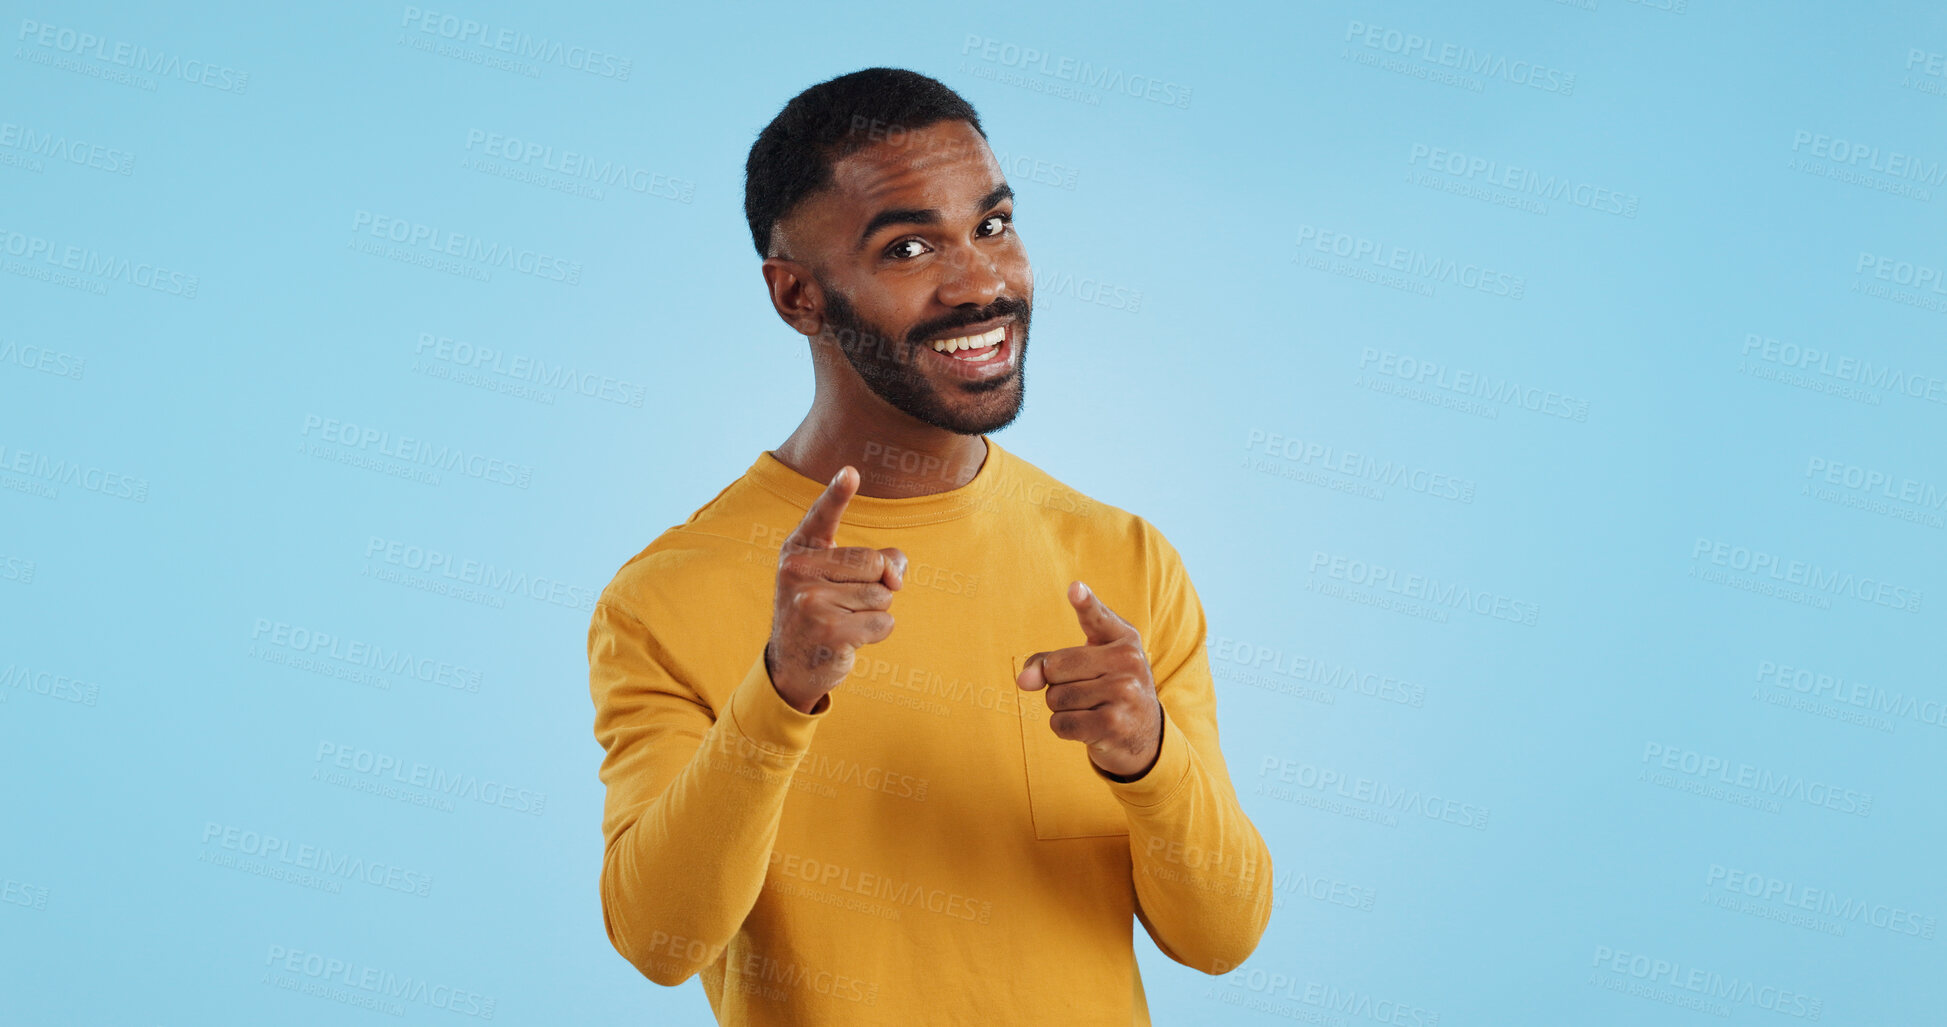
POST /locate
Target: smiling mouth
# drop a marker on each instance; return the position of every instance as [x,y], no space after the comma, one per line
[972,349]
[984,357]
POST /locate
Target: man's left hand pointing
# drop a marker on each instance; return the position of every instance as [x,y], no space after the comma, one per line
[1101,691]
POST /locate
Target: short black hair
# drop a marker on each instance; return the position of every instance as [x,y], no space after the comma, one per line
[793,156]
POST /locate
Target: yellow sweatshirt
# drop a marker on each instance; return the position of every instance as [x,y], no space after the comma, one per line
[923,848]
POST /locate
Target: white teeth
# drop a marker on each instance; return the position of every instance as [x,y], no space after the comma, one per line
[981,341]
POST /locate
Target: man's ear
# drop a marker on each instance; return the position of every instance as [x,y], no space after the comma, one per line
[795,294]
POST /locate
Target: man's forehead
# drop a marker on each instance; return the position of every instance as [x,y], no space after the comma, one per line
[940,167]
[905,160]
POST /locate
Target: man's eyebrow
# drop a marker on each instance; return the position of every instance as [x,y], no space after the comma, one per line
[898,216]
[927,216]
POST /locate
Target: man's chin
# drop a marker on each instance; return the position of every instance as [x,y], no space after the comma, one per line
[981,423]
[950,403]
[990,405]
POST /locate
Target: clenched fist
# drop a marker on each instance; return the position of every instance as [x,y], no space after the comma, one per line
[1101,692]
[831,600]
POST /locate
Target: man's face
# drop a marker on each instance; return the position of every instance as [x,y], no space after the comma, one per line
[914,244]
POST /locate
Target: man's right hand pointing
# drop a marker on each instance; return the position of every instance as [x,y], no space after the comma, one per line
[831,600]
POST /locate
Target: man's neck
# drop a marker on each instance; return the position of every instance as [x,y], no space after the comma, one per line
[894,461]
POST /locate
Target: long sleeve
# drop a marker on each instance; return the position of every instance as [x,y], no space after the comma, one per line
[693,798]
[1202,872]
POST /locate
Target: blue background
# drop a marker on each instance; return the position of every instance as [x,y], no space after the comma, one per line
[1277,255]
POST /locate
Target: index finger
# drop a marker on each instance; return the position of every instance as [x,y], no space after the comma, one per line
[819,529]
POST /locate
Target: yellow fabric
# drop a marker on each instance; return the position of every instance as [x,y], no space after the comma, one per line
[922,848]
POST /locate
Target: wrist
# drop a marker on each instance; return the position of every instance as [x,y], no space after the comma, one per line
[790,700]
[1155,756]
[1126,778]
[802,707]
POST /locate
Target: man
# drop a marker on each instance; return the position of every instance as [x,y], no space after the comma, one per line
[898,728]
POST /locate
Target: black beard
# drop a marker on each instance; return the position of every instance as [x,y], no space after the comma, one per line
[890,369]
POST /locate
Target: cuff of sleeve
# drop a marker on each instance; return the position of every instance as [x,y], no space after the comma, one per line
[1171,769]
[762,716]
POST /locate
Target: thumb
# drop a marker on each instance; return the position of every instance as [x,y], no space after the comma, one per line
[1099,623]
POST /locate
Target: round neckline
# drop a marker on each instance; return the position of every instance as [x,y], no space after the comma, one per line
[880,511]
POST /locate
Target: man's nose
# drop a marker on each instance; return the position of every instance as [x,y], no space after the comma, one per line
[971,278]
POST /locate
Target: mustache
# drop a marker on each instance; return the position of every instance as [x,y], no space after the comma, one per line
[944,327]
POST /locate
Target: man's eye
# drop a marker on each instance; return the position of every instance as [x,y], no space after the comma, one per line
[898,250]
[999,221]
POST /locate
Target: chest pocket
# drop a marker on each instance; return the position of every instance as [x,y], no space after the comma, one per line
[1066,797]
